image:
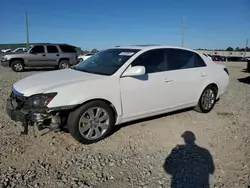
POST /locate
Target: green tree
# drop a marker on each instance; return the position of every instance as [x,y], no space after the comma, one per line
[237,49]
[229,49]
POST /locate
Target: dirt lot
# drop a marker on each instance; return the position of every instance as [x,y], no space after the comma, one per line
[135,155]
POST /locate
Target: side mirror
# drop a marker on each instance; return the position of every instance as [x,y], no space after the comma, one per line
[135,71]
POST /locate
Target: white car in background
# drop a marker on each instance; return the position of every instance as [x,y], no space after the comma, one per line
[115,86]
[19,50]
[84,57]
[6,50]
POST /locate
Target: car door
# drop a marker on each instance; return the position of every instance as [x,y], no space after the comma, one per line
[145,94]
[186,75]
[52,55]
[36,56]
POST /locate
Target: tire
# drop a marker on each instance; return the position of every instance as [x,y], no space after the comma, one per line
[248,66]
[64,64]
[78,130]
[201,107]
[80,59]
[17,66]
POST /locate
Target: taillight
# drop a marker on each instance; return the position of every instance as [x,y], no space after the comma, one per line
[226,70]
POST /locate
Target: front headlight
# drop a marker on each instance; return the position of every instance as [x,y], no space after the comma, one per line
[4,58]
[40,100]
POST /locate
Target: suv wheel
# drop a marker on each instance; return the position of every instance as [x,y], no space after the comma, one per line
[64,64]
[17,66]
[91,122]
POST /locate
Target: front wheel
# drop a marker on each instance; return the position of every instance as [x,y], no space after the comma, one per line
[207,100]
[91,122]
[17,66]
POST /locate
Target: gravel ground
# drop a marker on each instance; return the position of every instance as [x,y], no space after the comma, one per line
[137,154]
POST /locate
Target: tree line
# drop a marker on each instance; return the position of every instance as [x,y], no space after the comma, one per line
[228,49]
[238,49]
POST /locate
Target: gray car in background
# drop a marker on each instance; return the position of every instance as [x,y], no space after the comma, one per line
[60,56]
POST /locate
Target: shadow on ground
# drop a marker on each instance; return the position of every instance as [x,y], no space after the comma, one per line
[38,69]
[189,164]
[245,71]
[245,80]
[118,127]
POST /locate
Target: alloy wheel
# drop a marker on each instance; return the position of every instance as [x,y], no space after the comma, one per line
[208,99]
[94,123]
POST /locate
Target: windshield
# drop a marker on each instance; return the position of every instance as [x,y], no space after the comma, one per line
[106,62]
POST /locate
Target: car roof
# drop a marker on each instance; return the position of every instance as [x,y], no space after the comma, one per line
[151,47]
[35,44]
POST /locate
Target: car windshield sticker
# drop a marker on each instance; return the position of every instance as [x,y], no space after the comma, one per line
[127,53]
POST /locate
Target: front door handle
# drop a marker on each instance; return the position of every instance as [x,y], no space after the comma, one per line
[167,80]
[44,55]
[203,74]
[57,54]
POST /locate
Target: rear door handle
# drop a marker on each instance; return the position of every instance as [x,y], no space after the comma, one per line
[44,55]
[57,54]
[167,80]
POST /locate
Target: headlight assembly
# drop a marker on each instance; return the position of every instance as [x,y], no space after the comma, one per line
[40,100]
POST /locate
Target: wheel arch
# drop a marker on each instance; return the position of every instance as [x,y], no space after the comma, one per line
[212,84]
[15,59]
[103,100]
[63,59]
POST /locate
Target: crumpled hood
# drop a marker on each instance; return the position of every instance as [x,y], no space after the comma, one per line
[42,82]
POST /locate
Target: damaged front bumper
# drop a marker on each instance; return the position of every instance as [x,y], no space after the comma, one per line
[31,117]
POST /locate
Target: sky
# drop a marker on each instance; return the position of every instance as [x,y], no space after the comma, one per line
[211,24]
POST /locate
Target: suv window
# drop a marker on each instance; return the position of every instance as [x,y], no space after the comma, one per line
[153,61]
[38,49]
[52,49]
[67,49]
[183,59]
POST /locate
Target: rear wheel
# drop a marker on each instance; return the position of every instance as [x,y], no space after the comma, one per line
[207,100]
[17,66]
[64,64]
[91,122]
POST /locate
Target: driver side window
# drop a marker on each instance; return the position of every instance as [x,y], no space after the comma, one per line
[153,61]
[38,49]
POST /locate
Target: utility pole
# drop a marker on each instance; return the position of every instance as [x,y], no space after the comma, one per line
[27,30]
[183,31]
[246,48]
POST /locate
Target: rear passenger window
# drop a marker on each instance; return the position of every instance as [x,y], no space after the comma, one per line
[52,49]
[199,61]
[67,49]
[183,59]
[153,61]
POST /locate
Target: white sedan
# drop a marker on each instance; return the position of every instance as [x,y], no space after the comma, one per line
[116,86]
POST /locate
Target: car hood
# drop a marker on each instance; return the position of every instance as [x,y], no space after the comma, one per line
[42,82]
